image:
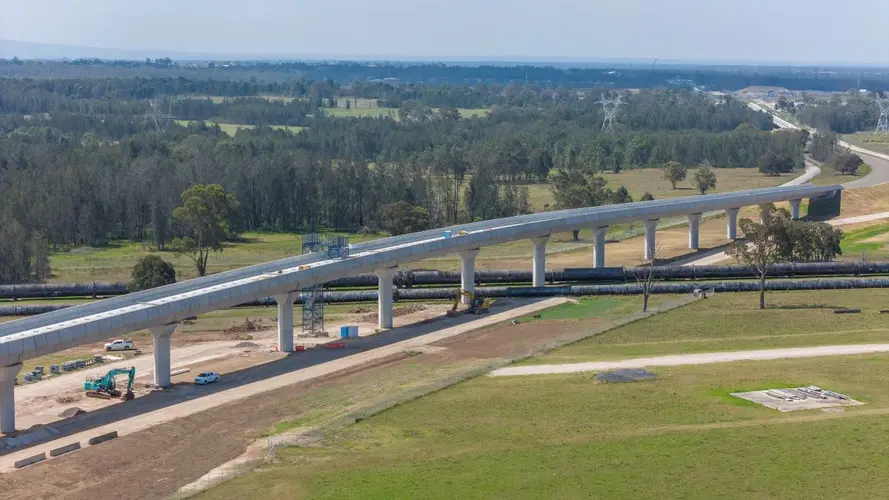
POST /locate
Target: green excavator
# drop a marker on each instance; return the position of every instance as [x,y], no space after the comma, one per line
[106,387]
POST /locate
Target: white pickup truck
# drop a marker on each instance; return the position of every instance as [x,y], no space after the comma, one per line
[206,378]
[119,345]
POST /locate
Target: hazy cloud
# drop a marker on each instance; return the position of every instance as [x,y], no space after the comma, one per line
[752,30]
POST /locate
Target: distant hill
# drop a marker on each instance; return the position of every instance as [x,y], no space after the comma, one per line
[31,50]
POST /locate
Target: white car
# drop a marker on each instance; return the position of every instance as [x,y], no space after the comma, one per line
[119,345]
[206,378]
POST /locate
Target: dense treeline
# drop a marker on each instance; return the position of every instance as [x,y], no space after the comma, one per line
[77,169]
[613,76]
[842,115]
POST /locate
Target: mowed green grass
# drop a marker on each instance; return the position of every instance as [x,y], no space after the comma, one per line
[731,322]
[564,436]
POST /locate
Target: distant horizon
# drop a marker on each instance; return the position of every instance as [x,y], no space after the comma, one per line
[28,50]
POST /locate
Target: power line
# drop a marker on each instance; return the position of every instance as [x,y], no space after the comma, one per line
[883,122]
[611,108]
[161,119]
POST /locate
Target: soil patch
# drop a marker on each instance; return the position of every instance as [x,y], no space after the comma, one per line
[190,448]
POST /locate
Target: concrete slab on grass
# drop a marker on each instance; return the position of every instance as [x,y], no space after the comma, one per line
[800,398]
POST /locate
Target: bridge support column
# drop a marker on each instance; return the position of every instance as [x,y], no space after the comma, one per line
[694,230]
[599,246]
[161,335]
[650,243]
[467,272]
[539,275]
[732,229]
[794,209]
[285,321]
[7,397]
[384,303]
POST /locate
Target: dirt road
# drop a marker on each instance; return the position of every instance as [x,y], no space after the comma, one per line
[693,359]
[232,389]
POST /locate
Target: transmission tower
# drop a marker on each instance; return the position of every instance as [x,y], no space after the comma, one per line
[883,122]
[161,113]
[610,107]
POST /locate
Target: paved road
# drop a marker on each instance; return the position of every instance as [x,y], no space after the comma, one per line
[215,399]
[879,162]
[693,359]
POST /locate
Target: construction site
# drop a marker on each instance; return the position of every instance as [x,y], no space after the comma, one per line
[255,391]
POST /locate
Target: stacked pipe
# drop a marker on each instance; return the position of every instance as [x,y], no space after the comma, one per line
[524,292]
[409,279]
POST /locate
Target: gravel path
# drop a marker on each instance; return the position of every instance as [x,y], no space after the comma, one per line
[693,359]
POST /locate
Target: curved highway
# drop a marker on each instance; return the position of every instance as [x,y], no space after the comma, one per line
[879,162]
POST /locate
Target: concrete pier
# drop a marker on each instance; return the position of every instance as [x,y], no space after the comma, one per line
[161,336]
[285,321]
[599,236]
[694,231]
[7,397]
[467,272]
[539,275]
[384,304]
[732,228]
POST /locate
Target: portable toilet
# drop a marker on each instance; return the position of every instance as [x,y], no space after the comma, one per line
[447,234]
[344,332]
[353,332]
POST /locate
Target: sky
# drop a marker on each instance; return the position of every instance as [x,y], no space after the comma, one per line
[785,31]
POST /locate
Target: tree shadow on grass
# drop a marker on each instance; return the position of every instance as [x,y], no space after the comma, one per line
[804,306]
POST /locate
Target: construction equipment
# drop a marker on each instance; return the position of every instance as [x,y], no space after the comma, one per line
[477,305]
[106,387]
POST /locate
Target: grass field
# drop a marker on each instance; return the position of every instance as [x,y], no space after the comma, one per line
[680,436]
[869,140]
[232,128]
[792,319]
[638,181]
[115,261]
[374,112]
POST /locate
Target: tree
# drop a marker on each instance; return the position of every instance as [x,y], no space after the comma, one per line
[823,145]
[646,276]
[675,172]
[760,251]
[847,163]
[151,271]
[401,217]
[205,221]
[573,189]
[647,197]
[775,164]
[705,179]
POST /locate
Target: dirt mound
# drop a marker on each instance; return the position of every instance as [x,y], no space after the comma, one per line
[396,312]
[245,345]
[246,326]
[65,400]
[624,376]
[71,412]
[360,310]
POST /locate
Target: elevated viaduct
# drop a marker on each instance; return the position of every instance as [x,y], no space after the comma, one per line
[159,309]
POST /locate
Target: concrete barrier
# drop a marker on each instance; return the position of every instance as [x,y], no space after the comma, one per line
[101,439]
[30,460]
[64,449]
